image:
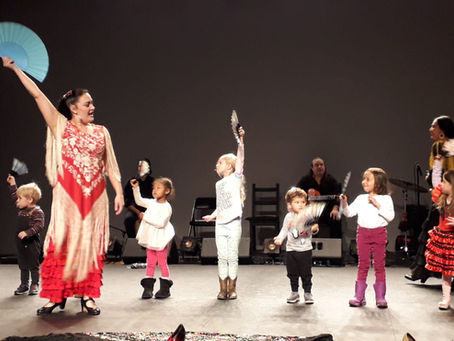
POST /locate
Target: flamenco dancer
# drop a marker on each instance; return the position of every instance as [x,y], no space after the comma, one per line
[78,154]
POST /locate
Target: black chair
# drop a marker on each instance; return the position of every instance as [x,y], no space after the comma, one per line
[191,244]
[202,207]
[265,212]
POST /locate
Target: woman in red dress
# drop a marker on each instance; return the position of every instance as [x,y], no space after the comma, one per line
[78,155]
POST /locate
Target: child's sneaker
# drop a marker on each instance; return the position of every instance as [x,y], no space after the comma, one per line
[308,298]
[33,289]
[21,290]
[293,298]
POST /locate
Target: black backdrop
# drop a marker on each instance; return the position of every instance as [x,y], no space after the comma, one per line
[356,82]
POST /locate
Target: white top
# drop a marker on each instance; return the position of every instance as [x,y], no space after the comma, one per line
[228,198]
[294,244]
[370,216]
[155,230]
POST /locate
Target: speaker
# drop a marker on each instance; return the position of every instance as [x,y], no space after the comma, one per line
[209,249]
[326,248]
[133,252]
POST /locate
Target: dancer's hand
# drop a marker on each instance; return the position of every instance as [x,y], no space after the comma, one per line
[208,218]
[373,201]
[22,235]
[119,203]
[343,200]
[450,221]
[241,133]
[11,180]
[8,62]
[134,183]
[315,229]
[277,241]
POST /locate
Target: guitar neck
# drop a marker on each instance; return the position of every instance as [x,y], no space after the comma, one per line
[323,197]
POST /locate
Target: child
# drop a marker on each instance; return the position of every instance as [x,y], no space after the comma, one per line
[375,210]
[30,223]
[229,209]
[440,246]
[155,233]
[299,245]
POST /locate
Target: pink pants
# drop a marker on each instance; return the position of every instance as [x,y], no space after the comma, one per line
[160,257]
[371,242]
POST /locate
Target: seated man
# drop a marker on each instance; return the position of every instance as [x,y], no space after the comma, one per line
[319,182]
[134,213]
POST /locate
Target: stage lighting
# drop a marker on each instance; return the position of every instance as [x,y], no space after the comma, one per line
[190,245]
[270,246]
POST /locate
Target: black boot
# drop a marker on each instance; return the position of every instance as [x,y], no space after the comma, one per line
[164,290]
[147,284]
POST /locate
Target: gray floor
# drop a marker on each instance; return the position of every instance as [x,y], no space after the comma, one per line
[260,308]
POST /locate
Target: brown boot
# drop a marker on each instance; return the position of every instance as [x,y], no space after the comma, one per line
[232,289]
[223,289]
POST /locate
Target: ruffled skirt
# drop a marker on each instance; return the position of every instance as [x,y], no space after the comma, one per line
[56,289]
[440,251]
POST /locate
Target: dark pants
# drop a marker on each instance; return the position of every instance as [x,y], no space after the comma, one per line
[28,252]
[299,264]
[130,224]
[432,220]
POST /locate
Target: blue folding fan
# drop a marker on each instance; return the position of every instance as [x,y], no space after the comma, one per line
[26,49]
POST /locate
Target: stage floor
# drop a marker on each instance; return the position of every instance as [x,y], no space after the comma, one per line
[260,308]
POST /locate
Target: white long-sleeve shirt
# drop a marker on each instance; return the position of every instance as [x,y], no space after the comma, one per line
[370,216]
[157,216]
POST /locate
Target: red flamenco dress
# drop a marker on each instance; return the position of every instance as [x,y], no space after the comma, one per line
[440,246]
[78,233]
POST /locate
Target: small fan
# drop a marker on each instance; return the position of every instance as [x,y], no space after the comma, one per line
[26,49]
[302,222]
[18,168]
[235,126]
[344,189]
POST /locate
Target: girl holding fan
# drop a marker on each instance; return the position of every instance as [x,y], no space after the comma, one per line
[155,233]
[375,210]
[230,196]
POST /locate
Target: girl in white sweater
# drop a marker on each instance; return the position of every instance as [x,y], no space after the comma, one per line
[229,209]
[375,210]
[155,233]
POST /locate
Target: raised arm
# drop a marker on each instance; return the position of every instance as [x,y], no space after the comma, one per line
[144,202]
[239,165]
[47,109]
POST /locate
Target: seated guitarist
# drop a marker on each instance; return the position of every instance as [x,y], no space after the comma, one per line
[319,182]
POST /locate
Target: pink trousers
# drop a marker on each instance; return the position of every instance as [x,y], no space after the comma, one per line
[159,257]
[371,242]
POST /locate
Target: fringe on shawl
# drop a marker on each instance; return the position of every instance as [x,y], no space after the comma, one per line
[83,240]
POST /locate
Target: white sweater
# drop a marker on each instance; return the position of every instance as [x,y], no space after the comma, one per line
[370,216]
[155,230]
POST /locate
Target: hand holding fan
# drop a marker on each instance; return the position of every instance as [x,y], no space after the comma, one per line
[18,168]
[26,49]
[344,189]
[302,222]
[235,126]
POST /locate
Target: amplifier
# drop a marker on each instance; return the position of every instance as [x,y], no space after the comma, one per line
[326,248]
